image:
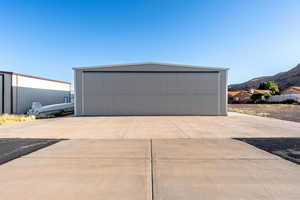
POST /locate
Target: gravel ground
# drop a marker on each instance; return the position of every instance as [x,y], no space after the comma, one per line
[288,112]
[287,148]
[13,148]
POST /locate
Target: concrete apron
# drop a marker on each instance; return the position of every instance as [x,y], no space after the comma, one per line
[221,169]
[80,169]
[144,169]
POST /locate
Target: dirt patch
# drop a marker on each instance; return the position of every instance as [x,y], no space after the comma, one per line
[279,111]
[287,148]
[13,148]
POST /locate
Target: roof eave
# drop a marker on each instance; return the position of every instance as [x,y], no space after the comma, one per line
[157,63]
[35,77]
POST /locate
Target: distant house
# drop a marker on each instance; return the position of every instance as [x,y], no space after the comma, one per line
[254,91]
[18,91]
[239,96]
[233,93]
[243,97]
[231,96]
[291,90]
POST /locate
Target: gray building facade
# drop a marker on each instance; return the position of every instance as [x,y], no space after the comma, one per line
[150,89]
[18,91]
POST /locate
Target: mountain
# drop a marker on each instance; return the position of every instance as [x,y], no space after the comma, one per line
[283,79]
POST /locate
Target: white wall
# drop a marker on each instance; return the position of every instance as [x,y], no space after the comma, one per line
[27,90]
[285,97]
[28,82]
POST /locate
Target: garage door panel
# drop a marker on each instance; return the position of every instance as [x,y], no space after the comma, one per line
[98,104]
[150,93]
[138,105]
[193,105]
[192,85]
[136,86]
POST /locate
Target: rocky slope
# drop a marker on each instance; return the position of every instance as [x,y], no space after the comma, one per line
[283,79]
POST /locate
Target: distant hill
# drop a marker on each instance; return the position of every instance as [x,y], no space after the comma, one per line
[283,79]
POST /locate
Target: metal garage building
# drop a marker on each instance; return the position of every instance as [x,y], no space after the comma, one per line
[18,91]
[150,89]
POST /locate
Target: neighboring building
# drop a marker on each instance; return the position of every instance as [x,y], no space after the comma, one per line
[256,91]
[150,89]
[291,90]
[285,98]
[18,91]
[242,97]
[233,93]
[231,96]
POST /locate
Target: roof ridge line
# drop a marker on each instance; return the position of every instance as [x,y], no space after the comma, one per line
[143,63]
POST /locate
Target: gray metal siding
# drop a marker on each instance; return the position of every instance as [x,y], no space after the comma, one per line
[223,92]
[78,92]
[6,79]
[150,89]
[25,97]
[1,93]
[150,93]
[7,93]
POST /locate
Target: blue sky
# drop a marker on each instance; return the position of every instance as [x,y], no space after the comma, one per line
[49,37]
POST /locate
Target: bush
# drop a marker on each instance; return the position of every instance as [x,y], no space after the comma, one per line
[269,85]
[256,97]
[260,97]
[267,95]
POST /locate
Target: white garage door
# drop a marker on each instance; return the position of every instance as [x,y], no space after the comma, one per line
[140,93]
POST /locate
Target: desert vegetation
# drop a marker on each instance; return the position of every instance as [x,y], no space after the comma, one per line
[6,118]
[290,112]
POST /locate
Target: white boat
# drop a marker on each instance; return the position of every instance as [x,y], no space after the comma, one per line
[42,111]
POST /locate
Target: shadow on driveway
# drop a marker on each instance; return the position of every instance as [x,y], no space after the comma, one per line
[286,148]
[14,148]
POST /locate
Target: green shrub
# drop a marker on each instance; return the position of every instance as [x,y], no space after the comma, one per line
[267,94]
[270,85]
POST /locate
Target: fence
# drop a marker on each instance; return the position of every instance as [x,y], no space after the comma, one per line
[282,98]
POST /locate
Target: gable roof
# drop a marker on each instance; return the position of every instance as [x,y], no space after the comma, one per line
[243,93]
[233,93]
[261,91]
[203,68]
[35,77]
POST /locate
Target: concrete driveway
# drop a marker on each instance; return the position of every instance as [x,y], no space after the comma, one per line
[146,127]
[151,158]
[166,169]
